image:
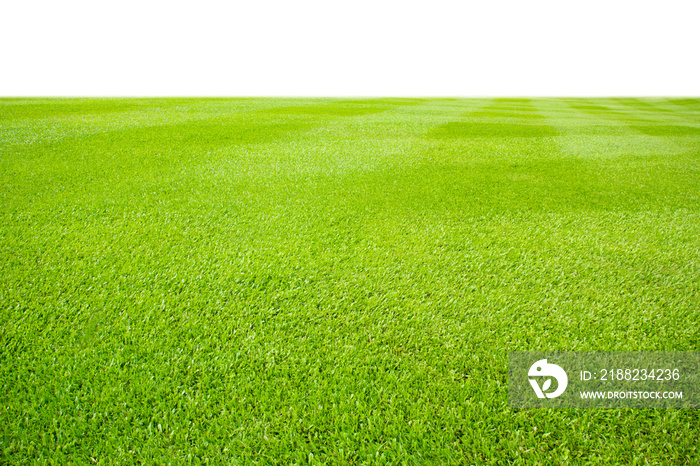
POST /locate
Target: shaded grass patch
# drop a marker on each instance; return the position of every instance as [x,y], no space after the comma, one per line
[593,108]
[492,130]
[506,114]
[685,102]
[61,108]
[196,133]
[477,187]
[514,100]
[513,108]
[667,130]
[641,105]
[331,110]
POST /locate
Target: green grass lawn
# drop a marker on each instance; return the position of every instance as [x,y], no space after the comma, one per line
[332,281]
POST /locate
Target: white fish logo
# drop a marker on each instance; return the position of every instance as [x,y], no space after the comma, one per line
[543,369]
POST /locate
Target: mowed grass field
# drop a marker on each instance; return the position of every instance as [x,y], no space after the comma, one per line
[338,281]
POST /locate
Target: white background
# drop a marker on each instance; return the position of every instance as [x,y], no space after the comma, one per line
[343,48]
